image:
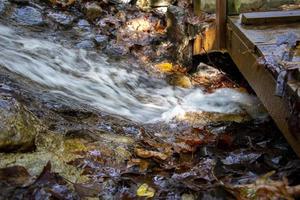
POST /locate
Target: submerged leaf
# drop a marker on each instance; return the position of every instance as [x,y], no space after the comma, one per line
[145,191]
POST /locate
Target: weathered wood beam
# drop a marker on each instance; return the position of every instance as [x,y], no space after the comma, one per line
[197,7]
[258,18]
[221,15]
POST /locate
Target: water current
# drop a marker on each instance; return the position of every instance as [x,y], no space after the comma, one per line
[120,88]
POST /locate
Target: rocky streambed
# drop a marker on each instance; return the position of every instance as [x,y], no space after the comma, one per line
[96,103]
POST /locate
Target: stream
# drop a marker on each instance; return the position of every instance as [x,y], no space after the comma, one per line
[87,114]
[118,88]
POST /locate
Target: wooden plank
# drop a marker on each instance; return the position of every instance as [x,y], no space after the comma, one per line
[221,14]
[197,7]
[246,44]
[263,83]
[258,18]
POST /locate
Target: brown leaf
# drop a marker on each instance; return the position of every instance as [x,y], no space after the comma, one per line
[87,189]
[63,3]
[15,176]
[48,177]
[143,164]
[149,154]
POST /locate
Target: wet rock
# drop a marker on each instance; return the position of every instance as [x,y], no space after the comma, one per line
[120,1]
[179,80]
[61,18]
[22,2]
[116,49]
[144,4]
[177,32]
[83,24]
[85,44]
[18,126]
[176,27]
[92,10]
[2,6]
[28,16]
[101,40]
[36,161]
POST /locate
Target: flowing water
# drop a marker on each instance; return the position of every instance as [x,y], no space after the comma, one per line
[119,88]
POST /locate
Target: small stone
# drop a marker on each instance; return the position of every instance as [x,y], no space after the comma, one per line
[179,80]
[28,16]
[92,10]
[85,44]
[186,196]
[116,49]
[143,4]
[83,24]
[61,18]
[101,39]
[120,1]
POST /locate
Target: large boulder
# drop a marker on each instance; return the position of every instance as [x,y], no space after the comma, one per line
[18,126]
[177,30]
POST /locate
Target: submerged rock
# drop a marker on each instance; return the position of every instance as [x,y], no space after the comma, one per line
[28,16]
[61,18]
[18,126]
[85,44]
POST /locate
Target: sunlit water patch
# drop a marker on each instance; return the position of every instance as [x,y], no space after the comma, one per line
[117,88]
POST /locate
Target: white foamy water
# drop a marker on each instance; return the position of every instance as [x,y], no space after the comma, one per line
[117,88]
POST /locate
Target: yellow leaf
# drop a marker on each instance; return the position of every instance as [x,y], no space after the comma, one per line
[164,67]
[145,191]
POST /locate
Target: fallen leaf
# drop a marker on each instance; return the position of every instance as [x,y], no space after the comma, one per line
[164,67]
[149,154]
[145,191]
[87,189]
[143,164]
[15,176]
[63,3]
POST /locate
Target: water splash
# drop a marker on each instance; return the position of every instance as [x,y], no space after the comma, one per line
[117,88]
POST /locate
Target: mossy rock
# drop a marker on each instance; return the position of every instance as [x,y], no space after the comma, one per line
[18,126]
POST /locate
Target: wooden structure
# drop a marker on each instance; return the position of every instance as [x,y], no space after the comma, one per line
[265,46]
